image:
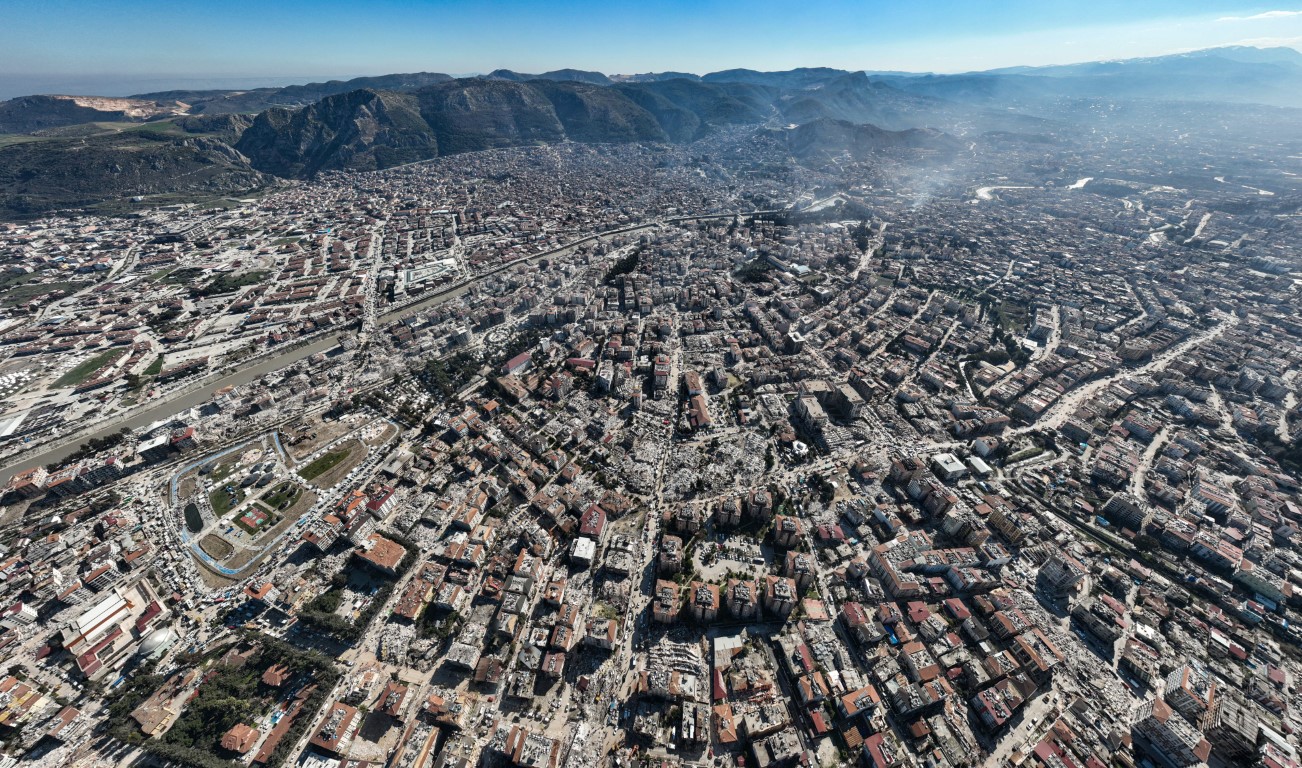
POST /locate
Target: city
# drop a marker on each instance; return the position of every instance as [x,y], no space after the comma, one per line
[714,453]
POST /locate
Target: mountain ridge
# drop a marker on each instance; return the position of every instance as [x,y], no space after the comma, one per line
[370,129]
[218,141]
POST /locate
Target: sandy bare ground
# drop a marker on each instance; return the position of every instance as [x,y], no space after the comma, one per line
[216,547]
[13,513]
[326,432]
[211,578]
[383,436]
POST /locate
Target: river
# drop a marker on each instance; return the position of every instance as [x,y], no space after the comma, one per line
[987,193]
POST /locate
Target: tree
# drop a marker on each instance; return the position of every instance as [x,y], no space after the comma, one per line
[862,236]
[1146,543]
[623,266]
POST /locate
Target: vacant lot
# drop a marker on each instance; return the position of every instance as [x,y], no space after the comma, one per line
[17,288]
[23,293]
[316,434]
[383,435]
[88,367]
[1012,317]
[216,547]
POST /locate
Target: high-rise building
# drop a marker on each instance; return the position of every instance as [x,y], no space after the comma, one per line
[1169,737]
[1191,690]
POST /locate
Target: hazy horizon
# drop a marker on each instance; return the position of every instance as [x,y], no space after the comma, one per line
[118,86]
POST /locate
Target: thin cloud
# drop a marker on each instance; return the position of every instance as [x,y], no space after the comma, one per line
[1262,16]
[1269,42]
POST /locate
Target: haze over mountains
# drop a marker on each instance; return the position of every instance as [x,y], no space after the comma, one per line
[71,151]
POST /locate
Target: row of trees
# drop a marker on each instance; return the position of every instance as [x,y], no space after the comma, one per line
[92,447]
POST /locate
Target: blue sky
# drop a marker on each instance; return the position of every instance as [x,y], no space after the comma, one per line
[192,43]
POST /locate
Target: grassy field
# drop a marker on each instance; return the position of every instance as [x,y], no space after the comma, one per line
[283,495]
[323,463]
[155,367]
[1025,454]
[85,130]
[227,283]
[181,276]
[101,128]
[223,501]
[159,126]
[223,283]
[10,139]
[222,471]
[18,289]
[83,372]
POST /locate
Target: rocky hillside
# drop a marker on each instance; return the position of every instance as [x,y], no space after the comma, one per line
[857,99]
[599,114]
[219,151]
[29,114]
[377,129]
[370,129]
[57,153]
[359,130]
[224,102]
[40,176]
[560,75]
[228,128]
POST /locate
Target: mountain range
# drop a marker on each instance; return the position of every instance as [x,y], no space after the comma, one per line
[220,141]
[1271,76]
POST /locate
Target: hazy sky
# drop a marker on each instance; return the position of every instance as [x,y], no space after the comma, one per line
[121,44]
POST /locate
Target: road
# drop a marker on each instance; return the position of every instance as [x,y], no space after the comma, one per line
[127,262]
[1037,718]
[1146,461]
[869,252]
[1282,432]
[1059,412]
[249,370]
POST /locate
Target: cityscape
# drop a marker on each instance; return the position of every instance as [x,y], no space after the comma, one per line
[792,442]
